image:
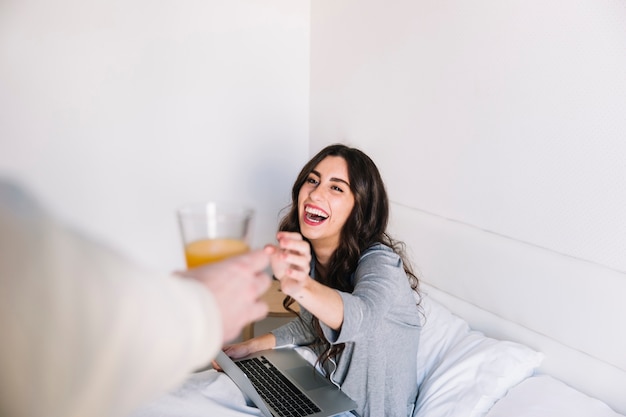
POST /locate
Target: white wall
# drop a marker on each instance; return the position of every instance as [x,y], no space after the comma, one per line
[116,112]
[504,115]
[499,129]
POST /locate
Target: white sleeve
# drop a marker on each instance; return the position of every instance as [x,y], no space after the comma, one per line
[85,332]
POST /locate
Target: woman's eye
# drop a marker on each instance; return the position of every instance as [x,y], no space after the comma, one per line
[334,187]
[311,181]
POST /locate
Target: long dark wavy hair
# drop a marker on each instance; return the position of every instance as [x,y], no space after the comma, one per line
[366,226]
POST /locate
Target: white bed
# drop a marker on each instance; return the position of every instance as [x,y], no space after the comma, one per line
[513,329]
[499,338]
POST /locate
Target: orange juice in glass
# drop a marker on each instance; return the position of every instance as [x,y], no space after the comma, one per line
[213,231]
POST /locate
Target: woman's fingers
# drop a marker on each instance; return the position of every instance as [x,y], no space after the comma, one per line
[295,252]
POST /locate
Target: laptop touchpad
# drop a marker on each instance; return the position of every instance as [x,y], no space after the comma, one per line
[307,377]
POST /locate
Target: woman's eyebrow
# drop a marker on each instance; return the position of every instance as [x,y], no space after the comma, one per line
[333,179]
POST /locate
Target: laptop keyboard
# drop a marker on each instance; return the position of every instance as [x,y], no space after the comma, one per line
[277,391]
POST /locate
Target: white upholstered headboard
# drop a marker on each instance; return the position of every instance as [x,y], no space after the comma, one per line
[569,309]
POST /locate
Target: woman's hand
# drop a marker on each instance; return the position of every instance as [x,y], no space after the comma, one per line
[291,262]
[243,349]
[239,350]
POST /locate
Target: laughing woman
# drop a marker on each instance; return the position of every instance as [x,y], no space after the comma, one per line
[353,283]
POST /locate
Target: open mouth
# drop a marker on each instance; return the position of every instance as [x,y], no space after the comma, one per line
[314,215]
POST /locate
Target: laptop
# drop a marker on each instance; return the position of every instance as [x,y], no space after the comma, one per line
[281,383]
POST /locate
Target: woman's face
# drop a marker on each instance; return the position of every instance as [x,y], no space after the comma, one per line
[325,202]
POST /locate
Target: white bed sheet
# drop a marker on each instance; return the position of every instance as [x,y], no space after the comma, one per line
[545,396]
[207,393]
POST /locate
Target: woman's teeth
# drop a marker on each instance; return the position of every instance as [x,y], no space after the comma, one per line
[315,215]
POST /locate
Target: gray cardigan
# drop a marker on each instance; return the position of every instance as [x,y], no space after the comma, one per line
[380,328]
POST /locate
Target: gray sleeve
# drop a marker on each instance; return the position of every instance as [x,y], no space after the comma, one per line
[298,331]
[379,279]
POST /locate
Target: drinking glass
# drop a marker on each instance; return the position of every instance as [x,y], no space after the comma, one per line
[213,231]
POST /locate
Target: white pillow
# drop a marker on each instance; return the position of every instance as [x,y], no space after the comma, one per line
[545,396]
[461,372]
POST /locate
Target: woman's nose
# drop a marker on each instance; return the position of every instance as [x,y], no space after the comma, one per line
[316,193]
